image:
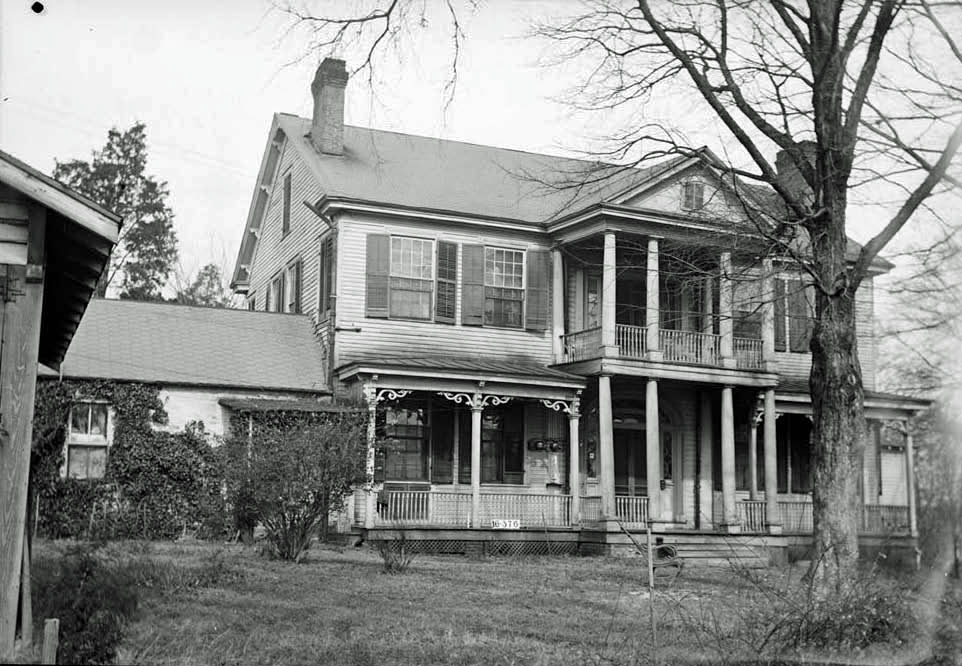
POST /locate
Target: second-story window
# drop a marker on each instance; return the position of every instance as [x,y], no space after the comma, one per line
[794,315]
[503,287]
[292,283]
[275,301]
[411,277]
[286,212]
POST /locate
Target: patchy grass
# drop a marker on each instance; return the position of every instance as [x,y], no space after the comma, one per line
[205,604]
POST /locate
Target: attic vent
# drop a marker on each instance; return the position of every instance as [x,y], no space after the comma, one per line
[692,195]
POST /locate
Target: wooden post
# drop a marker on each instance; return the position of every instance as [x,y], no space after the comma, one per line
[26,595]
[725,308]
[768,315]
[728,460]
[609,277]
[51,641]
[557,305]
[476,407]
[18,384]
[606,448]
[653,451]
[910,484]
[771,465]
[574,466]
[652,306]
[706,436]
[753,457]
[370,395]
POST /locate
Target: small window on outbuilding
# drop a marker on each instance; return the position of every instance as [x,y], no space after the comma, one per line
[87,441]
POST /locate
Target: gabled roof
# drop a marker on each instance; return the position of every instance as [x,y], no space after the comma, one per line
[78,239]
[173,344]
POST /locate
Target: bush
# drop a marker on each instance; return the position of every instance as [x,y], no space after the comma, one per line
[92,601]
[395,554]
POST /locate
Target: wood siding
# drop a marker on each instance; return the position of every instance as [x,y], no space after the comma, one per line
[386,338]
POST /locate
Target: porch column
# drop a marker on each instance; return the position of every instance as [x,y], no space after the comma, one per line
[606,448]
[370,510]
[653,451]
[728,461]
[609,276]
[706,475]
[768,315]
[725,307]
[707,326]
[774,518]
[557,305]
[753,456]
[574,465]
[652,337]
[910,483]
[476,408]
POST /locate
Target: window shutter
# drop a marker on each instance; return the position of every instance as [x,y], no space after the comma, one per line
[326,273]
[447,276]
[472,285]
[297,286]
[282,293]
[780,344]
[378,266]
[538,291]
[286,212]
[799,317]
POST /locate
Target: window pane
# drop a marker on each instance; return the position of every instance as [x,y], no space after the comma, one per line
[503,307]
[410,299]
[503,268]
[412,258]
[77,457]
[98,420]
[97,462]
[80,419]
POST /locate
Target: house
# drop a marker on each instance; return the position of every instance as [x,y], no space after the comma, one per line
[208,363]
[54,244]
[552,344]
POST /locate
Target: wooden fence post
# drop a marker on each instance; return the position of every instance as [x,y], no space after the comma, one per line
[26,599]
[51,640]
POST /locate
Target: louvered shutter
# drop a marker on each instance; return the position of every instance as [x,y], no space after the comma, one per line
[447,277]
[297,286]
[799,317]
[537,292]
[780,337]
[472,285]
[327,271]
[378,266]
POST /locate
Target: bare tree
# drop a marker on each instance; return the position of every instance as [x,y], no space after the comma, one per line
[860,99]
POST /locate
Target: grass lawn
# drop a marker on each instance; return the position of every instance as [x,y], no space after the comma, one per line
[338,607]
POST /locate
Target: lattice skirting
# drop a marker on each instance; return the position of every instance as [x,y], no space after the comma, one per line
[478,548]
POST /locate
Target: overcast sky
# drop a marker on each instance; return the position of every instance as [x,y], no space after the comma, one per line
[206,76]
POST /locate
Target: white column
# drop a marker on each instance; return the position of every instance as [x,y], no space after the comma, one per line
[753,458]
[725,308]
[728,460]
[370,395]
[768,315]
[771,464]
[606,448]
[652,307]
[708,298]
[456,453]
[653,451]
[476,408]
[707,476]
[574,466]
[910,484]
[557,305]
[609,277]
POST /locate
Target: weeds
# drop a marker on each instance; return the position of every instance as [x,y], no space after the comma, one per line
[396,555]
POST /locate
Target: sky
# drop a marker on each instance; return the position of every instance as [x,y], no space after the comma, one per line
[207,76]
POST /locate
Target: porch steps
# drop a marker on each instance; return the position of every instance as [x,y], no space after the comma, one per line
[707,549]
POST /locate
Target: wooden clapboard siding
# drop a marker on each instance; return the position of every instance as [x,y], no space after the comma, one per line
[13,227]
[668,196]
[384,338]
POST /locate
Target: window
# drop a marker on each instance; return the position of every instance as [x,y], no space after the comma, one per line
[325,278]
[411,278]
[286,213]
[447,275]
[502,445]
[503,287]
[592,301]
[693,195]
[292,283]
[251,302]
[405,429]
[275,294]
[87,441]
[794,315]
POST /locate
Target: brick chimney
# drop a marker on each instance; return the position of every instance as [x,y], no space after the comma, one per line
[790,177]
[327,126]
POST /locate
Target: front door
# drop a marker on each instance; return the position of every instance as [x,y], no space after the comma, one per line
[631,469]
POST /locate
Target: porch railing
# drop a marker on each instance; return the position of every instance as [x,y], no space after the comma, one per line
[631,510]
[631,340]
[531,510]
[796,516]
[690,347]
[413,507]
[748,353]
[884,519]
[581,345]
[752,515]
[590,509]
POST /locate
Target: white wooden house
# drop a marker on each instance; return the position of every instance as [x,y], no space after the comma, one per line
[546,344]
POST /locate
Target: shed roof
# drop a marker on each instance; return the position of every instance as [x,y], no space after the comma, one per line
[175,344]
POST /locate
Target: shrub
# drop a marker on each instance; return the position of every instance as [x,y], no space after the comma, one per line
[396,555]
[290,470]
[92,601]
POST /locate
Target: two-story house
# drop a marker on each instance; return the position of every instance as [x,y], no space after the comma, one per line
[548,345]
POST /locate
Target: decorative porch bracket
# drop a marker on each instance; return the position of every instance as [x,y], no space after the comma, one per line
[372,396]
[573,409]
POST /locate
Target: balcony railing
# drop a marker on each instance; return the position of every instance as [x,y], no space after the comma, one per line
[748,353]
[631,340]
[690,347]
[582,345]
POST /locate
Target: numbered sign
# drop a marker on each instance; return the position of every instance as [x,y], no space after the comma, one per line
[501,524]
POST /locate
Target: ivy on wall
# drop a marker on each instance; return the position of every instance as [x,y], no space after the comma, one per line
[156,483]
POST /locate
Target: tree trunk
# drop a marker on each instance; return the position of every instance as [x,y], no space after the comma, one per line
[837,408]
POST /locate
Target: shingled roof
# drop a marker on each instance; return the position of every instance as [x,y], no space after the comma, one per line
[173,344]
